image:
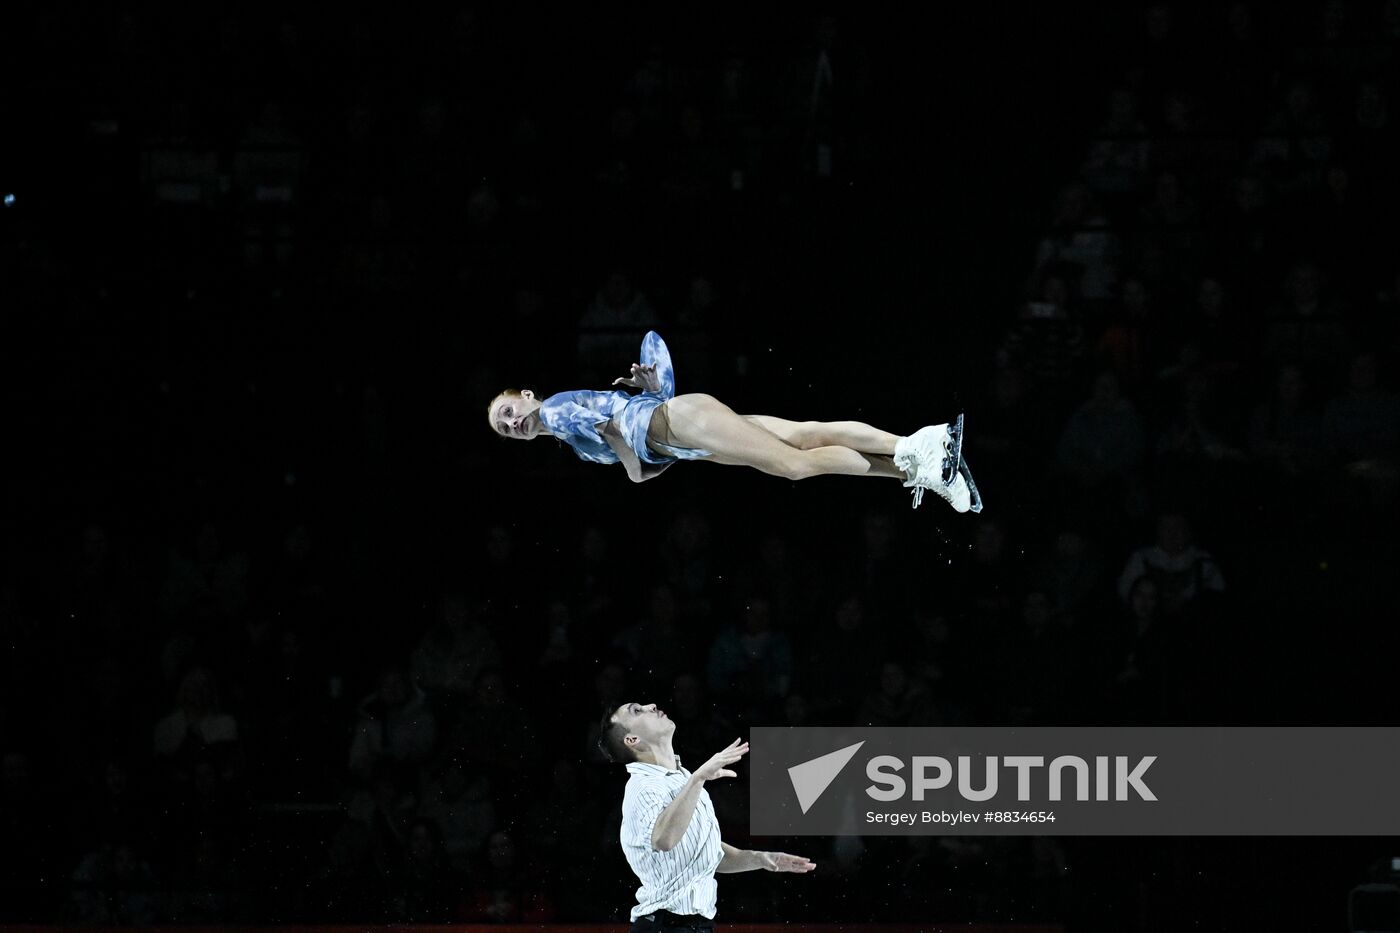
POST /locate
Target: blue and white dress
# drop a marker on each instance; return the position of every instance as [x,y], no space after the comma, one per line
[573,417]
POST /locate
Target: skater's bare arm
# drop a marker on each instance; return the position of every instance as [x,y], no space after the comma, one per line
[637,471]
[751,859]
[738,859]
[671,824]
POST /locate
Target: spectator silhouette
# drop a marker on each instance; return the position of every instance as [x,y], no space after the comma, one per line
[505,891]
[609,326]
[1285,432]
[422,883]
[751,663]
[456,797]
[1363,422]
[196,724]
[1182,571]
[897,700]
[1103,440]
[396,728]
[657,645]
[1080,237]
[1308,326]
[454,651]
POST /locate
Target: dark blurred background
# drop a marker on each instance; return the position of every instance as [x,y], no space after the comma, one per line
[289,635]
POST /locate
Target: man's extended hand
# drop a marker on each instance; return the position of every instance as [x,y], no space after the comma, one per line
[781,861]
[643,377]
[715,767]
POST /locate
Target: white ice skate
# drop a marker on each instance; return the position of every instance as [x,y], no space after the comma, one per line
[931,458]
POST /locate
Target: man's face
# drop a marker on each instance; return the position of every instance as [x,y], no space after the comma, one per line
[646,724]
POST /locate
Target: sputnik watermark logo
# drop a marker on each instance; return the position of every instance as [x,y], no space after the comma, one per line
[889,784]
[811,778]
[1160,781]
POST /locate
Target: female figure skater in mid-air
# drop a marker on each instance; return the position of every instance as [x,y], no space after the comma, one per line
[649,431]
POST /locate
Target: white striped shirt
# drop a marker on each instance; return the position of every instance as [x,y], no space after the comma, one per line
[683,879]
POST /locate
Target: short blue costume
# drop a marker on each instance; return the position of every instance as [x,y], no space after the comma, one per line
[573,417]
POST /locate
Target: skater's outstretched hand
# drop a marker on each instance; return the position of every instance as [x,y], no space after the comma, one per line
[781,861]
[715,767]
[643,377]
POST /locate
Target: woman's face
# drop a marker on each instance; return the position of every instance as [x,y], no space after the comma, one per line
[517,416]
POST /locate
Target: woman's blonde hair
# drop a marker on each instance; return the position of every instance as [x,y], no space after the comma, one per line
[512,393]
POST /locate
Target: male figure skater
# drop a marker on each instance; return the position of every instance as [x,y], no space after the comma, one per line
[669,832]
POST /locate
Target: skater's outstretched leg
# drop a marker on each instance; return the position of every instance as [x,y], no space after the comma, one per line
[810,435]
[704,422]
